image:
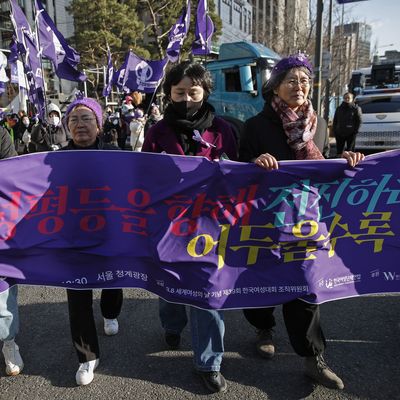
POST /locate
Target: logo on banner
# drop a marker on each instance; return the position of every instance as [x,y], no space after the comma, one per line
[339,281]
[391,276]
[143,73]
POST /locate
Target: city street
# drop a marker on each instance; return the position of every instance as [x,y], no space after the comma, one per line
[363,348]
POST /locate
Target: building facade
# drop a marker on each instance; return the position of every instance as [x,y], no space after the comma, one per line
[281,25]
[64,23]
[56,10]
[351,51]
[237,20]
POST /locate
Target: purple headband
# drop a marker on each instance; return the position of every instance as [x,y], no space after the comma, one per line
[89,103]
[293,61]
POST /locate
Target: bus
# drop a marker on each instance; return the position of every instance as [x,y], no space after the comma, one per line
[376,77]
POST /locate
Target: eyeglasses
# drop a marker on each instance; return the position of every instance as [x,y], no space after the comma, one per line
[294,83]
[86,119]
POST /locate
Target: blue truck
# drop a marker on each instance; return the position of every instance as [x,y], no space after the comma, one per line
[239,74]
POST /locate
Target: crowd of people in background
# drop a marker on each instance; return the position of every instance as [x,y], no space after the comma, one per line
[124,126]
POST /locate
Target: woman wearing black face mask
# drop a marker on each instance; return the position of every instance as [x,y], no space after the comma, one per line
[187,86]
[190,127]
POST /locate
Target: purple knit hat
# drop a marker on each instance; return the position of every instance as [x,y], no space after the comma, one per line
[89,103]
[292,61]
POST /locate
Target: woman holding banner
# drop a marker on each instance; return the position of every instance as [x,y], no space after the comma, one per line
[190,128]
[84,119]
[289,129]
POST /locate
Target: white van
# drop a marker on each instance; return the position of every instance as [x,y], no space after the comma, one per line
[380,128]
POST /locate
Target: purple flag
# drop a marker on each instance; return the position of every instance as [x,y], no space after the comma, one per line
[109,76]
[33,72]
[55,48]
[28,49]
[139,74]
[19,21]
[178,34]
[204,30]
[13,56]
[12,60]
[3,75]
[347,1]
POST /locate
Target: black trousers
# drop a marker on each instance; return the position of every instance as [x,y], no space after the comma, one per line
[81,319]
[347,143]
[302,322]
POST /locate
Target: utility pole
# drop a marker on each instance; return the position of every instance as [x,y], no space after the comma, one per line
[318,59]
[339,92]
[328,80]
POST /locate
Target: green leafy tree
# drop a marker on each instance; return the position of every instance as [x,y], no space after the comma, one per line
[101,22]
[161,15]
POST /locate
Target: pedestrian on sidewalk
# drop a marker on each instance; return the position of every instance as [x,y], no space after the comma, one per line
[346,123]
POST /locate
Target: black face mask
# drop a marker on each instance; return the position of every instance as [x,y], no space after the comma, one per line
[183,110]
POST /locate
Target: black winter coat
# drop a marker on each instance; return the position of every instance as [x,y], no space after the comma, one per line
[264,133]
[46,136]
[7,148]
[347,120]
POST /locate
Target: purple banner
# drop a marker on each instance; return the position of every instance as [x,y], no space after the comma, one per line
[215,235]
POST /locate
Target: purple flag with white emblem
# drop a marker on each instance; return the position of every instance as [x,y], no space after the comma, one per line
[204,30]
[33,72]
[178,34]
[109,76]
[28,49]
[139,74]
[55,47]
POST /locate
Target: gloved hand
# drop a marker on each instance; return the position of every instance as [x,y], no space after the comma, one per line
[54,147]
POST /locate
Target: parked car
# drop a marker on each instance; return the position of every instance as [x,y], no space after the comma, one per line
[380,128]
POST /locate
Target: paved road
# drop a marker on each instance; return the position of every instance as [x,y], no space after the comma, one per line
[363,347]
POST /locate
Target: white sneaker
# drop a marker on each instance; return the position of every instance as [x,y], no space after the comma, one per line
[85,373]
[110,326]
[12,358]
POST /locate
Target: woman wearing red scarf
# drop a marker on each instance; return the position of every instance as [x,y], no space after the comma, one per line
[289,129]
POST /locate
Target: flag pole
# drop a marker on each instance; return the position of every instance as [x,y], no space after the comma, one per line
[205,58]
[36,23]
[155,91]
